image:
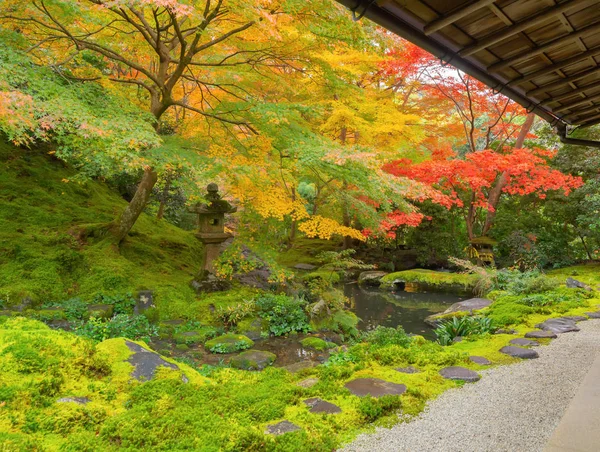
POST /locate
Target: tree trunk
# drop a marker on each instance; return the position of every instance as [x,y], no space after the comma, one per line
[496,191]
[137,204]
[585,247]
[163,200]
[294,222]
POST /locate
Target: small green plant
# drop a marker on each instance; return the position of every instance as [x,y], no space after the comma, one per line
[463,327]
[382,336]
[232,315]
[523,283]
[74,308]
[122,304]
[121,325]
[284,314]
[372,409]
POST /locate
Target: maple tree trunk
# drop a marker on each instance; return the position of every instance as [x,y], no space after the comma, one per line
[163,201]
[585,247]
[137,204]
[294,222]
[496,191]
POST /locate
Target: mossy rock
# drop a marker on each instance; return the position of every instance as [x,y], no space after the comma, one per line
[229,343]
[330,276]
[340,321]
[253,360]
[100,311]
[316,343]
[426,280]
[197,336]
[253,327]
[182,347]
[49,314]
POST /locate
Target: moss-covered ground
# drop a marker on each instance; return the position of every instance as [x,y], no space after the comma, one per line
[431,278]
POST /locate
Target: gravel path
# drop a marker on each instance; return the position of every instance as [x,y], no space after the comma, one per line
[512,408]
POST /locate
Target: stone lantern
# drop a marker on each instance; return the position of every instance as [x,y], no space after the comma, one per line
[211,226]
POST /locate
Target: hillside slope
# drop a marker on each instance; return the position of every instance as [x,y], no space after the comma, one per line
[43,255]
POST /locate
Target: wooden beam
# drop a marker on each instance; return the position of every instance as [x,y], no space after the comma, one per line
[563,81]
[449,19]
[556,66]
[545,15]
[576,103]
[572,93]
[580,113]
[503,64]
[591,121]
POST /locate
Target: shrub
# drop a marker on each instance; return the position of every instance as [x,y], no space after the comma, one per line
[462,327]
[122,304]
[382,336]
[121,325]
[517,283]
[284,314]
[74,308]
[232,315]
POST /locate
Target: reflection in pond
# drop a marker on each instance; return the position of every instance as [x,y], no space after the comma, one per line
[406,309]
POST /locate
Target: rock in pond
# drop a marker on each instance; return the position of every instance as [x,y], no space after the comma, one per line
[302,266]
[229,343]
[459,373]
[100,311]
[370,278]
[519,352]
[559,325]
[145,362]
[308,382]
[253,360]
[318,405]
[574,284]
[470,305]
[281,428]
[77,400]
[374,387]
[480,360]
[408,370]
[524,342]
[541,334]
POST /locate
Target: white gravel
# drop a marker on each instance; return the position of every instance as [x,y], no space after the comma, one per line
[512,408]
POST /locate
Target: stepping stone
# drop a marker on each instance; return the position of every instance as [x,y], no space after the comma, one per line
[540,334]
[558,326]
[302,266]
[374,387]
[253,360]
[470,305]
[505,331]
[281,428]
[308,382]
[318,405]
[77,400]
[576,318]
[460,373]
[574,284]
[593,315]
[480,360]
[519,352]
[408,370]
[145,362]
[300,365]
[524,342]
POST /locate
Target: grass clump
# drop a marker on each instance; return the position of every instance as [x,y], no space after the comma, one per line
[463,327]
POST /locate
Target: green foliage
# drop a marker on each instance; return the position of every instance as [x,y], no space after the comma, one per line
[229,343]
[122,304]
[433,279]
[517,283]
[284,314]
[233,314]
[463,327]
[382,336]
[342,260]
[121,325]
[374,408]
[316,343]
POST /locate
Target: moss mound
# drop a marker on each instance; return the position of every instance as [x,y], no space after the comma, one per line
[430,279]
[229,343]
[316,343]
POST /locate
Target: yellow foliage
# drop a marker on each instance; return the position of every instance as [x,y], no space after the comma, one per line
[325,228]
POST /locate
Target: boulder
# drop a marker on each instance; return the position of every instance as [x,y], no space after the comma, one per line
[519,352]
[540,334]
[308,382]
[576,318]
[144,301]
[100,311]
[302,266]
[281,428]
[480,360]
[470,305]
[374,387]
[574,284]
[370,278]
[318,405]
[459,373]
[559,325]
[300,365]
[407,370]
[229,343]
[253,360]
[522,342]
[593,315]
[145,362]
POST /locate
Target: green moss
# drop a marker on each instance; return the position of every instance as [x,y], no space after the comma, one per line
[229,343]
[430,278]
[340,321]
[305,251]
[198,336]
[330,276]
[182,347]
[587,273]
[316,343]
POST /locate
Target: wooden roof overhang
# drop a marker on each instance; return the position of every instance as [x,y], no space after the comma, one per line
[543,54]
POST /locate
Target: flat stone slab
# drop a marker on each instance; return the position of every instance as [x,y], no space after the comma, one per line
[253,360]
[524,342]
[408,370]
[308,382]
[593,315]
[302,266]
[519,352]
[300,365]
[281,428]
[480,360]
[460,373]
[318,405]
[145,362]
[77,400]
[541,334]
[574,284]
[559,325]
[470,305]
[576,318]
[374,387]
